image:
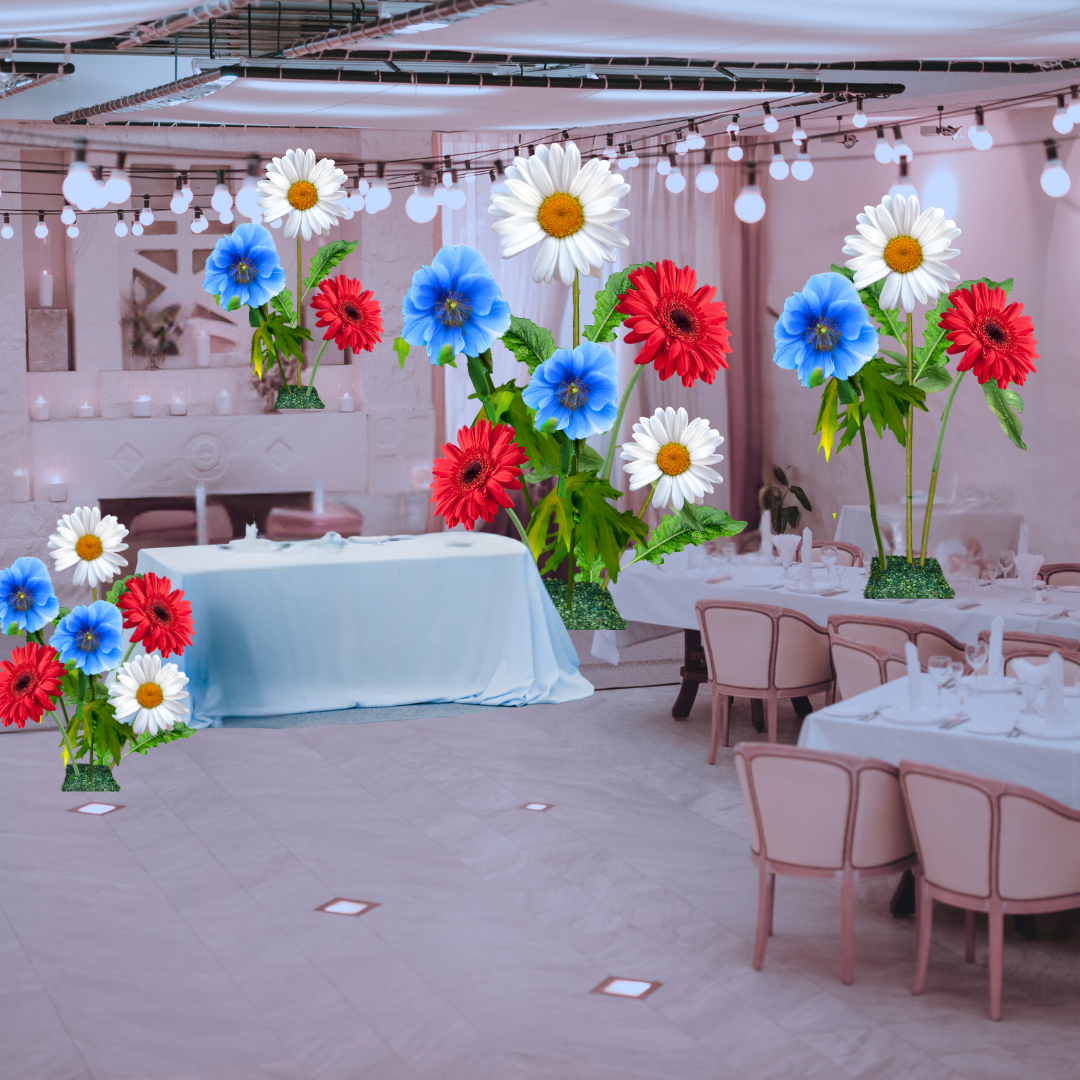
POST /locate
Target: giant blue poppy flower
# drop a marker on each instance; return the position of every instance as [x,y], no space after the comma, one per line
[26,596]
[578,387]
[454,302]
[90,636]
[245,265]
[824,326]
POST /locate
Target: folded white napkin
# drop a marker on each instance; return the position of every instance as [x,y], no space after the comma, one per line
[766,534]
[1027,567]
[914,679]
[786,545]
[1055,689]
[1030,673]
[995,665]
[807,581]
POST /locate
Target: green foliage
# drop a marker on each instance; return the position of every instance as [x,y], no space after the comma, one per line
[886,401]
[932,351]
[531,344]
[233,304]
[889,321]
[827,418]
[273,336]
[934,379]
[401,347]
[118,589]
[1005,404]
[606,320]
[772,497]
[325,259]
[446,357]
[675,531]
[60,614]
[180,731]
[282,303]
[589,567]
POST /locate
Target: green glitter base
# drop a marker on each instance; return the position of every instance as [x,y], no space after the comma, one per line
[291,397]
[77,778]
[593,607]
[903,581]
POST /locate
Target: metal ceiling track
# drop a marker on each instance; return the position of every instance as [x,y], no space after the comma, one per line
[180,20]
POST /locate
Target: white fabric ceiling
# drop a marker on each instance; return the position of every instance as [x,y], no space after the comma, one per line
[78,20]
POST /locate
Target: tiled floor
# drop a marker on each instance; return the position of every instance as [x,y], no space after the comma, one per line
[177,939]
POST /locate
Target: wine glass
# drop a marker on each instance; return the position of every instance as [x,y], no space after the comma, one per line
[940,669]
[956,682]
[728,552]
[993,572]
[977,655]
[828,557]
[1006,560]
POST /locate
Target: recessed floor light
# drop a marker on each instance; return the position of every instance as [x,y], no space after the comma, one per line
[537,806]
[97,808]
[627,988]
[341,906]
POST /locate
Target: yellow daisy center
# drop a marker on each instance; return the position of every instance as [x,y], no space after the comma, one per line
[88,547]
[560,215]
[149,695]
[302,195]
[903,254]
[673,459]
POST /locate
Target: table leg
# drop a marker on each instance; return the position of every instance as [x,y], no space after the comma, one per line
[693,673]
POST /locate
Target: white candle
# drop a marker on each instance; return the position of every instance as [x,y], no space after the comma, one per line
[86,410]
[1022,546]
[202,534]
[20,486]
[45,289]
[807,559]
[202,350]
[346,403]
[58,491]
[141,405]
[39,408]
[224,404]
[178,408]
[318,501]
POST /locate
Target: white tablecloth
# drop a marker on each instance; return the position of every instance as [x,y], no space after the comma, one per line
[950,525]
[658,600]
[1052,767]
[435,617]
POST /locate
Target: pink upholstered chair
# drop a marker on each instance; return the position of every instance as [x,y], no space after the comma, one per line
[819,815]
[846,554]
[985,845]
[760,651]
[1062,645]
[858,667]
[1061,573]
[1039,654]
[894,634]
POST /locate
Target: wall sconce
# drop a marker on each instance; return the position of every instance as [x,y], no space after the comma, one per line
[57,484]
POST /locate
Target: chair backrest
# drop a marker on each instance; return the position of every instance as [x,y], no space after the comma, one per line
[859,667]
[802,652]
[1018,637]
[846,554]
[889,634]
[1062,573]
[933,642]
[858,815]
[1040,654]
[739,641]
[985,838]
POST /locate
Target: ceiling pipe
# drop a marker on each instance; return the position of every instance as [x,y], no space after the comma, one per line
[443,11]
[34,78]
[180,20]
[142,98]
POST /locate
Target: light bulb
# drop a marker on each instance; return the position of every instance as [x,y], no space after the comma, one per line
[178,205]
[635,161]
[355,201]
[770,123]
[136,228]
[421,206]
[901,151]
[120,228]
[980,137]
[41,230]
[675,181]
[72,230]
[663,166]
[448,178]
[146,216]
[226,217]
[750,206]
[118,187]
[681,147]
[706,180]
[859,119]
[222,198]
[624,162]
[247,198]
[695,141]
[470,178]
[350,213]
[67,215]
[735,151]
[802,168]
[1062,121]
[7,232]
[100,196]
[456,199]
[778,167]
[733,126]
[1074,106]
[904,187]
[185,190]
[609,151]
[1055,180]
[440,194]
[883,150]
[798,135]
[79,184]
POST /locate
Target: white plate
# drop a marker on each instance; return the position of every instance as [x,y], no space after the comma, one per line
[1066,588]
[814,590]
[1036,727]
[1016,583]
[847,710]
[1039,611]
[898,714]
[981,684]
[989,723]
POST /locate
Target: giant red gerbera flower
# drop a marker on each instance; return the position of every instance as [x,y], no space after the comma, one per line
[683,328]
[28,682]
[351,317]
[471,480]
[159,615]
[996,340]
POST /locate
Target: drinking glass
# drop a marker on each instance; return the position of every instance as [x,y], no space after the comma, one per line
[1005,561]
[828,557]
[728,552]
[977,655]
[940,669]
[993,572]
[1029,691]
[956,681]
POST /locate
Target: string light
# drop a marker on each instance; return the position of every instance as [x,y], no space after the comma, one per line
[733,127]
[680,142]
[663,165]
[222,199]
[118,186]
[177,204]
[189,195]
[146,215]
[100,196]
[72,231]
[882,149]
[706,180]
[198,222]
[378,198]
[6,231]
[675,182]
[750,206]
[421,206]
[120,228]
[609,151]
[41,230]
[499,187]
[1055,180]
[1074,104]
[770,123]
[798,136]
[778,167]
[695,140]
[247,198]
[903,185]
[136,228]
[624,157]
[802,168]
[78,185]
[978,133]
[635,161]
[1062,121]
[735,151]
[859,119]
[900,147]
[67,215]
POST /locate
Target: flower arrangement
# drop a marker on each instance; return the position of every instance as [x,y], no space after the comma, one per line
[244,270]
[535,434]
[830,334]
[111,703]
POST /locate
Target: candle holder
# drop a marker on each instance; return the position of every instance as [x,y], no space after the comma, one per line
[20,485]
[202,350]
[39,408]
[346,403]
[57,468]
[224,405]
[178,401]
[141,405]
[86,411]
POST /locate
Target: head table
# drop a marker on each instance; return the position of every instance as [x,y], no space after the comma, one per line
[372,621]
[659,600]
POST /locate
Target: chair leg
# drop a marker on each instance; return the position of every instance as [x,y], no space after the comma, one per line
[725,715]
[969,936]
[772,900]
[924,918]
[764,914]
[770,715]
[996,922]
[847,927]
[719,706]
[830,694]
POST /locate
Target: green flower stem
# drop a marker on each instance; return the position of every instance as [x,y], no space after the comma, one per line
[311,381]
[934,469]
[609,457]
[63,730]
[571,567]
[528,497]
[576,293]
[910,342]
[645,505]
[870,489]
[299,297]
[520,528]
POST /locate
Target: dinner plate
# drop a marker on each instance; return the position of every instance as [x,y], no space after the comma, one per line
[1067,588]
[814,590]
[1038,728]
[898,714]
[1016,583]
[847,710]
[1039,611]
[982,684]
[990,722]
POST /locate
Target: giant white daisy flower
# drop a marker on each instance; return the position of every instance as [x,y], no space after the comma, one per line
[311,194]
[150,691]
[566,208]
[676,451]
[89,542]
[907,247]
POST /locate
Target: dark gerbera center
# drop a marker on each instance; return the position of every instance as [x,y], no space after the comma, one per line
[453,310]
[680,320]
[21,600]
[993,334]
[473,472]
[352,314]
[23,683]
[160,614]
[87,641]
[573,395]
[243,271]
[822,335]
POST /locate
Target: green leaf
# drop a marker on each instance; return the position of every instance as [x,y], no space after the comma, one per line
[827,419]
[889,321]
[801,496]
[531,344]
[781,476]
[674,533]
[606,319]
[118,589]
[180,730]
[932,351]
[62,613]
[886,402]
[789,517]
[549,425]
[276,335]
[446,357]
[602,530]
[846,393]
[255,317]
[282,302]
[325,259]
[476,371]
[934,379]
[401,347]
[12,630]
[1005,404]
[589,567]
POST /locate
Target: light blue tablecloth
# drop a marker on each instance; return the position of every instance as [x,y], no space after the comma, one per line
[436,617]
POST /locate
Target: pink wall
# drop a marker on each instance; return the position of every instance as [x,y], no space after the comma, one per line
[1010,229]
